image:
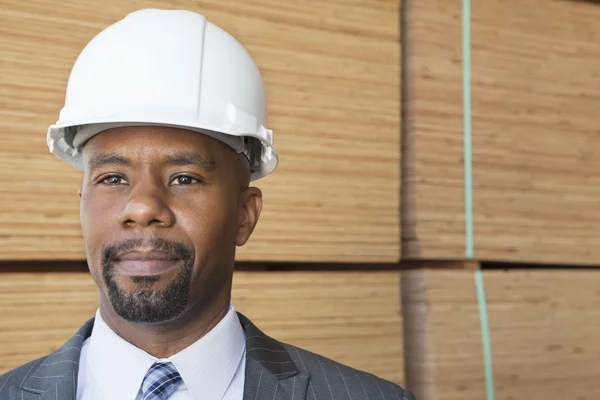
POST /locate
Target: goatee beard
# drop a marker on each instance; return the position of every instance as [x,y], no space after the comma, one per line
[146,304]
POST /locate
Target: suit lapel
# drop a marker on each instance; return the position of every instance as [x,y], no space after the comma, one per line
[56,376]
[270,371]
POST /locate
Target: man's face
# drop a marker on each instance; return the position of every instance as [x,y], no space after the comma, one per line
[162,210]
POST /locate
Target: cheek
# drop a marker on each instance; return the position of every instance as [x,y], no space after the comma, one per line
[211,223]
[97,215]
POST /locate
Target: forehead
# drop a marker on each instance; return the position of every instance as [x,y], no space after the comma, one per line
[154,144]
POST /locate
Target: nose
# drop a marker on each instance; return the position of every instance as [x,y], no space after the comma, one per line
[147,206]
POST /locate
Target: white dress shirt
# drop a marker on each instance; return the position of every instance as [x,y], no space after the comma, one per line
[212,368]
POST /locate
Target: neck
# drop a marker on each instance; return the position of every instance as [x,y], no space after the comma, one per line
[165,339]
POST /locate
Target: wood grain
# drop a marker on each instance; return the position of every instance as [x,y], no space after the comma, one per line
[543,331]
[535,122]
[331,71]
[433,220]
[534,90]
[352,317]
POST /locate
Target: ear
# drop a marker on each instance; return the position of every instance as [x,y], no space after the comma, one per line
[251,207]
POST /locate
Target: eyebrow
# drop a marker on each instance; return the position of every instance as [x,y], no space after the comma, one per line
[102,159]
[182,158]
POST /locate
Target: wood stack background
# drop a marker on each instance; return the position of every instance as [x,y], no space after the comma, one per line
[343,195]
[543,332]
[535,112]
[535,91]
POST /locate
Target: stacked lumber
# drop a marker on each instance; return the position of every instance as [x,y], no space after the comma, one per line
[535,111]
[351,317]
[543,327]
[432,168]
[332,75]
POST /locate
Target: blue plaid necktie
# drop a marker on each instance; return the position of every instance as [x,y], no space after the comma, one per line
[160,381]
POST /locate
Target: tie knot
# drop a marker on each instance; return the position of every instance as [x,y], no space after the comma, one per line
[160,381]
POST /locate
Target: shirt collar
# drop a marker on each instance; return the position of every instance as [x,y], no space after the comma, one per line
[207,367]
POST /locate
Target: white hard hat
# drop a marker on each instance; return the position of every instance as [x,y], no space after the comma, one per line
[167,68]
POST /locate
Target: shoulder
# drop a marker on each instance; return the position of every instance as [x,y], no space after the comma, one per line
[328,378]
[17,376]
[53,363]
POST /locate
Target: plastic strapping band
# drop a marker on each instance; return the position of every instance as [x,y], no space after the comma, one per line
[485,336]
[479,285]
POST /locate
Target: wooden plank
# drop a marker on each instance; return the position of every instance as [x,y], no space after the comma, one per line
[534,90]
[332,81]
[543,330]
[535,124]
[352,317]
[432,197]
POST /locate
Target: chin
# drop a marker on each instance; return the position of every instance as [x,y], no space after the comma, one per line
[148,305]
[149,299]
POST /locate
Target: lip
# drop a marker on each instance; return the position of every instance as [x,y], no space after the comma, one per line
[145,262]
[138,255]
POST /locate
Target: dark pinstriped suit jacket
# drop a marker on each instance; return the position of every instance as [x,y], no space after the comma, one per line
[274,371]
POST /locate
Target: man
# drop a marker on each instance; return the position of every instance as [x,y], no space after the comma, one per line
[165,114]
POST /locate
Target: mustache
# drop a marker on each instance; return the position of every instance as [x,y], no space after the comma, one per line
[174,249]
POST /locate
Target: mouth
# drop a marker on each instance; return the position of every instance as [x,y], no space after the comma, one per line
[142,263]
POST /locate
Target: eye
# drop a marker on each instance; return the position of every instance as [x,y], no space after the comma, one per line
[112,180]
[184,180]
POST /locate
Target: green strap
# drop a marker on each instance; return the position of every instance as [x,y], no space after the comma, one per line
[485,332]
[485,336]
